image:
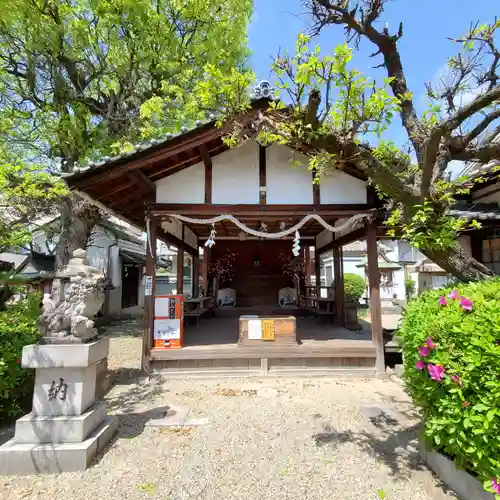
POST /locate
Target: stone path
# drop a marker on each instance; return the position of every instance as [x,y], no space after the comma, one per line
[247,439]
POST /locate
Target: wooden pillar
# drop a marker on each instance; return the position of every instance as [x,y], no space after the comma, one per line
[375,304]
[196,275]
[307,265]
[149,294]
[317,267]
[262,175]
[204,271]
[180,271]
[338,272]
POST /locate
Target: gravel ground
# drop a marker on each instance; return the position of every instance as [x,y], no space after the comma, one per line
[263,439]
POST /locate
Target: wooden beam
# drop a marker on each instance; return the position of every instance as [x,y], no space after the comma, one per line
[317,266]
[344,240]
[142,181]
[224,228]
[177,166]
[176,242]
[262,175]
[207,161]
[339,286]
[186,163]
[196,275]
[188,141]
[150,286]
[204,271]
[375,303]
[108,193]
[371,195]
[307,265]
[275,209]
[180,268]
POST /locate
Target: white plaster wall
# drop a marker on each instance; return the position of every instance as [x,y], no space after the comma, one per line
[340,188]
[186,186]
[115,266]
[398,288]
[235,175]
[286,184]
[97,251]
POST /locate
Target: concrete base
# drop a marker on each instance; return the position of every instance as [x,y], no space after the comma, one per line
[64,355]
[462,483]
[62,429]
[66,426]
[25,458]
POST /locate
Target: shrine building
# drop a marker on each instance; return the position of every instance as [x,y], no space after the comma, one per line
[250,231]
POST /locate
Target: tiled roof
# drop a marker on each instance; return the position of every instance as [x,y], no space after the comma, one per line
[262,91]
[488,171]
[479,211]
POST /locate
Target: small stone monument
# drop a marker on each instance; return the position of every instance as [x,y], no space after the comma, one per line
[66,426]
[287,297]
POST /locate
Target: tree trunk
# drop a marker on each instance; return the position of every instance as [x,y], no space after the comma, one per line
[459,264]
[78,219]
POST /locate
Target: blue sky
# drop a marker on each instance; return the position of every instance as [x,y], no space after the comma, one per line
[424,47]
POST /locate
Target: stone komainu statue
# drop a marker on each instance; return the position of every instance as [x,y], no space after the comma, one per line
[77,296]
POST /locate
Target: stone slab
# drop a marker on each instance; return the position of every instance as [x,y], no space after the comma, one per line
[64,355]
[62,429]
[466,486]
[168,417]
[24,459]
[64,391]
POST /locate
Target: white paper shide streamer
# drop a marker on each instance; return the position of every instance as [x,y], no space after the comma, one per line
[353,222]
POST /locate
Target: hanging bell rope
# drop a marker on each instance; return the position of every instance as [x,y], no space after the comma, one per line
[353,222]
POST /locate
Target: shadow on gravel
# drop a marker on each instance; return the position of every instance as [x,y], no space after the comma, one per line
[388,443]
[122,328]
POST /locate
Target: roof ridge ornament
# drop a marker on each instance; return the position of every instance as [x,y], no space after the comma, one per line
[263,90]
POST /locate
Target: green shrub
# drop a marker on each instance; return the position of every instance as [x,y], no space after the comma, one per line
[354,286]
[451,345]
[17,329]
[410,288]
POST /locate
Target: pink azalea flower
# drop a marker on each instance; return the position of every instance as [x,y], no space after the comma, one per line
[423,351]
[436,372]
[496,485]
[420,365]
[430,344]
[466,304]
[453,295]
[455,379]
[442,300]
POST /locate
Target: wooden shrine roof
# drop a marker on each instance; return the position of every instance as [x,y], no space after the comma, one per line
[126,182]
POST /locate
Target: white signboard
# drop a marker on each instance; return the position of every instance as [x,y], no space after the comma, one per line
[254,329]
[162,307]
[167,329]
[148,286]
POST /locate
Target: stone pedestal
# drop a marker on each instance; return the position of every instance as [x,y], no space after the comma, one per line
[66,427]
